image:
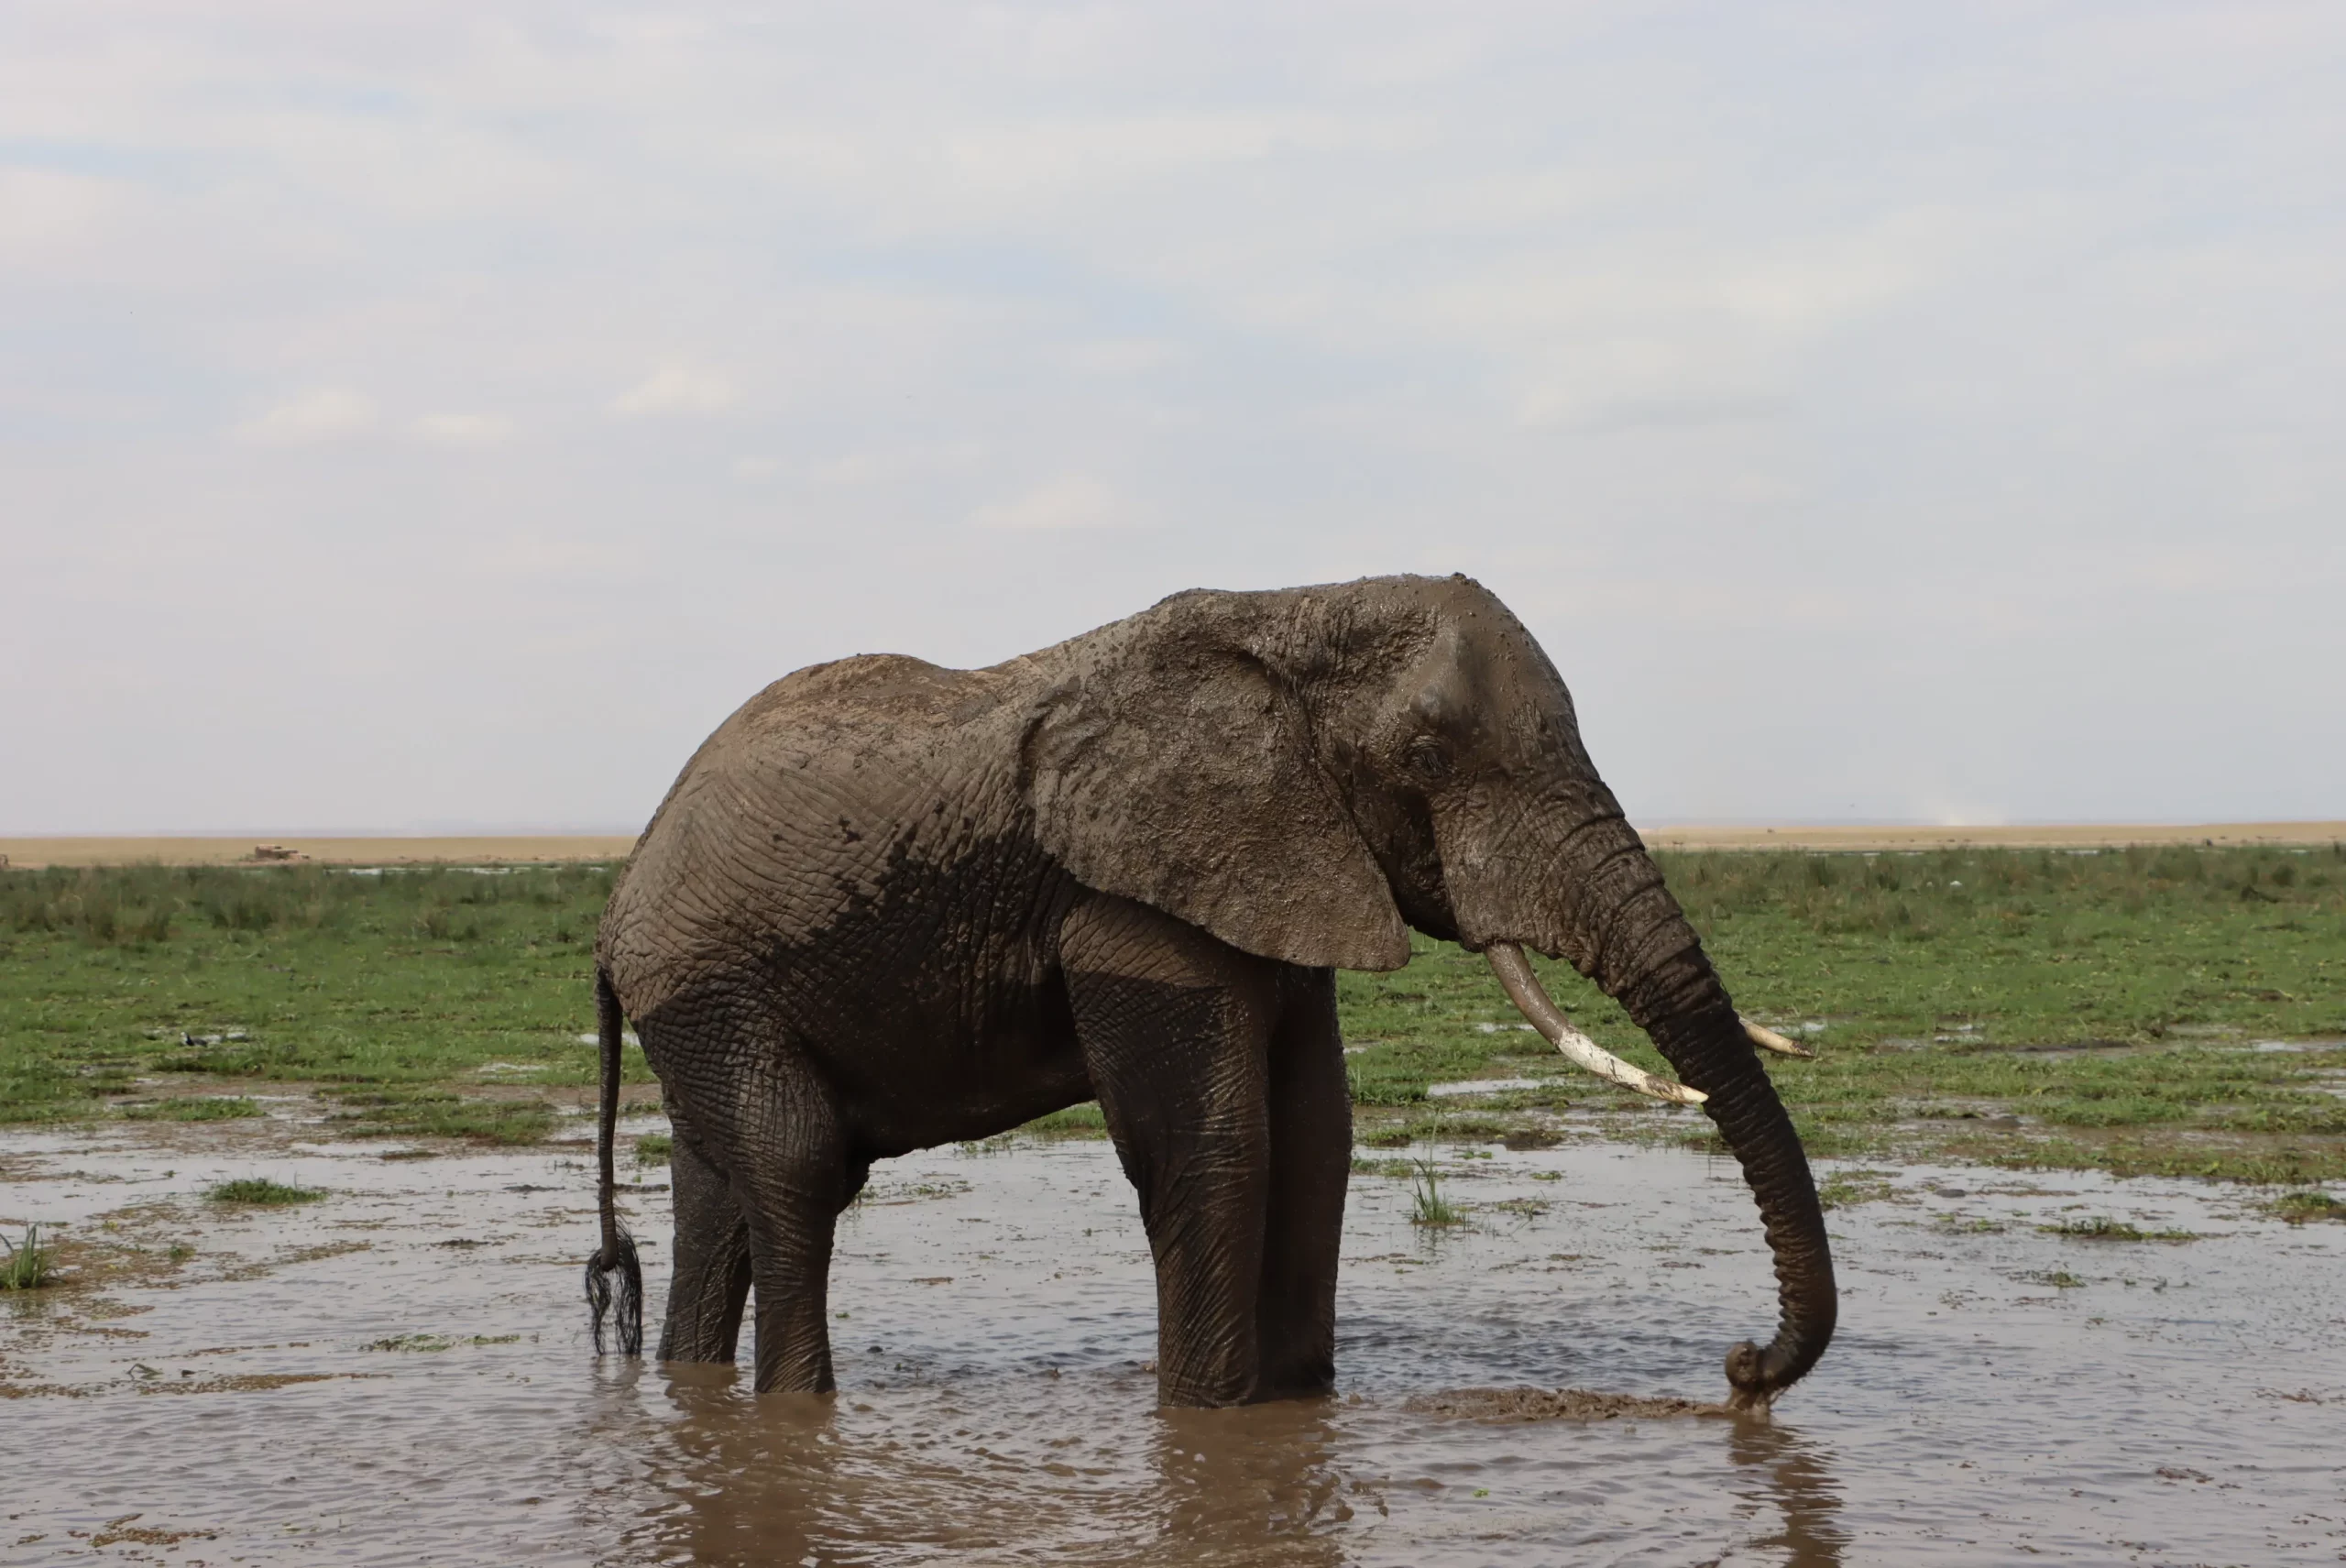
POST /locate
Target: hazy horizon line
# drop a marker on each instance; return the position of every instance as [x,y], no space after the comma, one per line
[494,830]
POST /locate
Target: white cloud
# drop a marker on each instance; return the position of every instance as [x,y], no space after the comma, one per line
[1072,500]
[538,557]
[888,465]
[465,429]
[40,211]
[676,388]
[322,414]
[1126,356]
[1110,149]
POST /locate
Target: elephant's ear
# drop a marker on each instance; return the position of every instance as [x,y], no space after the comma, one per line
[1179,772]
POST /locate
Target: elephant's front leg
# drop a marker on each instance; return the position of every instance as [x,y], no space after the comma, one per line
[1312,1158]
[1176,1028]
[710,1283]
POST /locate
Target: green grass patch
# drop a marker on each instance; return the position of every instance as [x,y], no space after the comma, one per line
[653,1149]
[432,1345]
[2102,1228]
[418,976]
[262,1191]
[1435,1129]
[2022,1007]
[195,1108]
[439,1114]
[2298,1207]
[1084,1121]
[1847,1188]
[25,1263]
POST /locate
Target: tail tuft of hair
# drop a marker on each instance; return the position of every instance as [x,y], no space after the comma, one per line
[614,1277]
[615,1284]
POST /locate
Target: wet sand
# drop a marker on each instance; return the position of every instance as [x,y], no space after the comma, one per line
[400,1374]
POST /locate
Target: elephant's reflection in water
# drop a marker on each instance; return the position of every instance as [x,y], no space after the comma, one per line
[810,1479]
[1008,1468]
[1259,1484]
[748,1480]
[1794,1474]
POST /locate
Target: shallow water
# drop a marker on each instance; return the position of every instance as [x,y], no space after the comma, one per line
[400,1374]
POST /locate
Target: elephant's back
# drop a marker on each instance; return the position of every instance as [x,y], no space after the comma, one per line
[804,803]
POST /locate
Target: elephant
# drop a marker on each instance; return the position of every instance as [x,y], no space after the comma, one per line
[888,904]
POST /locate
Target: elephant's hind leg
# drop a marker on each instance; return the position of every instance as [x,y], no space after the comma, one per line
[711,1281]
[791,1176]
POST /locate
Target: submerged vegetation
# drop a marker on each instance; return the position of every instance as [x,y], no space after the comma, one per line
[2102,1228]
[2099,1009]
[262,1191]
[1427,1205]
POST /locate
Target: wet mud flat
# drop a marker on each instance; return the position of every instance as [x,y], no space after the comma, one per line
[2067,1369]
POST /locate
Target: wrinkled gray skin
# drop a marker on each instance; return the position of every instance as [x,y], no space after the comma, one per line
[888,905]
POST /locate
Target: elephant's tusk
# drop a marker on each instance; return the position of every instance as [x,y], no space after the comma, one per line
[1523,989]
[1767,1039]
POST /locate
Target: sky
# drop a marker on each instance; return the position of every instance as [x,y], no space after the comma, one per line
[429,417]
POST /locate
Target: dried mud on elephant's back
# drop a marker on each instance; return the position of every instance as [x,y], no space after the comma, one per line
[1556,1405]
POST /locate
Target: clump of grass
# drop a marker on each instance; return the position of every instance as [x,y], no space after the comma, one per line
[261,1190]
[2102,1228]
[2061,1279]
[653,1149]
[1970,1225]
[1428,1206]
[1847,1188]
[28,1265]
[430,1345]
[2298,1207]
[1084,1121]
[195,1108]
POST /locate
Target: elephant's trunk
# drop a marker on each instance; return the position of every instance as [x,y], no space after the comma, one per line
[1635,942]
[1704,1041]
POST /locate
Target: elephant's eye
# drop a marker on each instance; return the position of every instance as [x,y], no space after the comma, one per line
[1427,758]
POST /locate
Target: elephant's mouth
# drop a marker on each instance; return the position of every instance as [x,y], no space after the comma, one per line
[1531,999]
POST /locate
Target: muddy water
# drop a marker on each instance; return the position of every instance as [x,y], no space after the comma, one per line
[399,1373]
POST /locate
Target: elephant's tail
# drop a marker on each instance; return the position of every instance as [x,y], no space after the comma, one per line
[614,1277]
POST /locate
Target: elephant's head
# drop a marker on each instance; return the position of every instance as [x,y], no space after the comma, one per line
[1306,772]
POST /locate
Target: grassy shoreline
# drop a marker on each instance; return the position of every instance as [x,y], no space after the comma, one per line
[2080,1009]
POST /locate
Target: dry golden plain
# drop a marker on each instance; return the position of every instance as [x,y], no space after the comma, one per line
[509,849]
[1893,838]
[546,848]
